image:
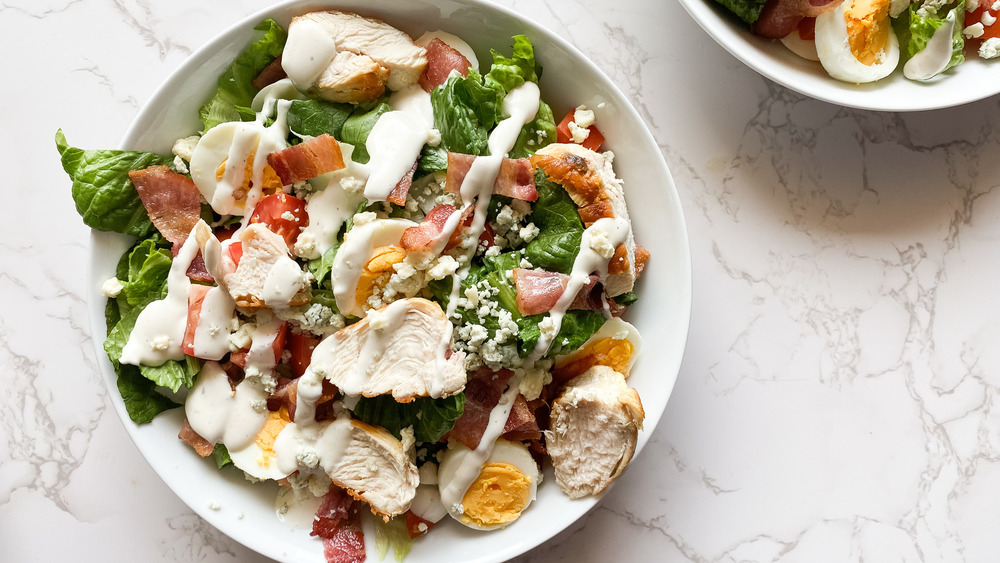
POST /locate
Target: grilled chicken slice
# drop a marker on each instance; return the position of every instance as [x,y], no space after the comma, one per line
[594,425]
[591,182]
[398,349]
[371,56]
[375,468]
[266,275]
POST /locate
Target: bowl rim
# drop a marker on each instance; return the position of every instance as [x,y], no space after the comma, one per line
[236,34]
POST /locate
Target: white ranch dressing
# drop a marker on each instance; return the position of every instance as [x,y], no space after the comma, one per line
[933,58]
[614,231]
[454,490]
[221,415]
[331,205]
[211,336]
[356,250]
[396,140]
[260,358]
[308,51]
[159,328]
[283,282]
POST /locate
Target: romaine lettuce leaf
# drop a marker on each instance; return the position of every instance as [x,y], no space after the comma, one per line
[221,456]
[392,534]
[104,196]
[142,401]
[577,327]
[315,117]
[431,418]
[172,374]
[456,118]
[747,10]
[560,229]
[357,127]
[148,267]
[509,73]
[235,86]
[925,21]
[536,134]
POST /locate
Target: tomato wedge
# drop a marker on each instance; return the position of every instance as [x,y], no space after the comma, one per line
[196,297]
[563,134]
[976,16]
[283,215]
[300,346]
[413,525]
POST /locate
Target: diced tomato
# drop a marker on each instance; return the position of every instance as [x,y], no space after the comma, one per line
[283,214]
[279,342]
[563,134]
[236,252]
[807,29]
[976,16]
[413,525]
[300,346]
[195,299]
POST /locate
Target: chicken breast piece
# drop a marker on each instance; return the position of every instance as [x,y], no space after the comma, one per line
[398,350]
[266,275]
[384,57]
[591,182]
[594,425]
[375,468]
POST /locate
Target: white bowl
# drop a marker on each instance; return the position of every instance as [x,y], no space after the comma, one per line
[973,80]
[246,512]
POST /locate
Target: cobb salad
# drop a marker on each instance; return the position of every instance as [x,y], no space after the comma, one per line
[382,276]
[863,41]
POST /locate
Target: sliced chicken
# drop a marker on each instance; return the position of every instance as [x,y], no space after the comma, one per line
[591,182]
[266,276]
[375,468]
[371,55]
[399,349]
[594,425]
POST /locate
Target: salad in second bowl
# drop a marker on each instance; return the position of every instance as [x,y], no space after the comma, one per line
[862,41]
[380,277]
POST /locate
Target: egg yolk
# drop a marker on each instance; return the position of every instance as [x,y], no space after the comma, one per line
[269,178]
[276,422]
[868,29]
[611,352]
[497,496]
[381,263]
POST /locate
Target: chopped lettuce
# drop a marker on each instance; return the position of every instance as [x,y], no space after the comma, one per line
[456,118]
[356,128]
[235,86]
[392,534]
[430,418]
[142,401]
[102,191]
[315,117]
[577,327]
[221,456]
[747,10]
[560,229]
[509,73]
[925,18]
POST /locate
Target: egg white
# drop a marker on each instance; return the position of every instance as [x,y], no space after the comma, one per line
[835,53]
[614,328]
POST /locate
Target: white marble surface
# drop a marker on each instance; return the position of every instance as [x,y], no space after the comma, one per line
[837,401]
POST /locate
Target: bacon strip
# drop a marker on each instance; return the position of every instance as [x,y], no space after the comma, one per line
[272,73]
[193,439]
[428,231]
[538,291]
[482,393]
[781,17]
[521,424]
[338,523]
[441,60]
[172,201]
[398,193]
[307,160]
[516,178]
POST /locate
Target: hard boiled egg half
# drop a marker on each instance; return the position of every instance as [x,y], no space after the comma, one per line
[504,486]
[855,41]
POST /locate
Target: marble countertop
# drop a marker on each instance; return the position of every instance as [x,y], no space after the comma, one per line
[838,398]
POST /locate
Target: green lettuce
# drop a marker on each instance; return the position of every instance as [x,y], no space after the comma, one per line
[430,418]
[356,128]
[142,401]
[924,21]
[104,196]
[455,115]
[747,10]
[577,327]
[315,117]
[509,73]
[560,229]
[235,86]
[221,456]
[392,534]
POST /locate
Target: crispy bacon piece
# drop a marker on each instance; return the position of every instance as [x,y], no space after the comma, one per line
[272,73]
[516,178]
[172,201]
[197,270]
[192,438]
[482,393]
[285,395]
[398,193]
[307,160]
[338,523]
[441,60]
[521,424]
[428,231]
[538,291]
[781,17]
